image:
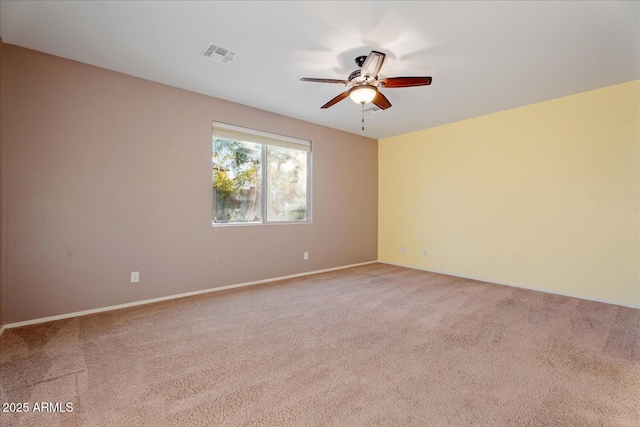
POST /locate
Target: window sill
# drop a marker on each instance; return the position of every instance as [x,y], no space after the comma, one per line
[257,224]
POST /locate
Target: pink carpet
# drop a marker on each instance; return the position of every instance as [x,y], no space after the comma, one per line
[372,345]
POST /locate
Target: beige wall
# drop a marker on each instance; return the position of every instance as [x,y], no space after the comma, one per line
[1,184]
[545,196]
[107,174]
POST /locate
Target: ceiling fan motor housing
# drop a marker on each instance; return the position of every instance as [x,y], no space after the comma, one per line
[358,78]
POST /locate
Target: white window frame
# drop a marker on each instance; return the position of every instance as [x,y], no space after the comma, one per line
[265,139]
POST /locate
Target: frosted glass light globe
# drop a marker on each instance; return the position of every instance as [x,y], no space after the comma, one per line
[363,94]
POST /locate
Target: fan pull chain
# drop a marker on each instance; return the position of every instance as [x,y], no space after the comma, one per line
[363,116]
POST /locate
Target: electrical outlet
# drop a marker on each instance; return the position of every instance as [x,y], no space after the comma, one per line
[135,276]
[424,252]
[306,255]
[404,250]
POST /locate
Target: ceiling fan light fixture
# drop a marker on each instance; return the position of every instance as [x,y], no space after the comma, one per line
[363,94]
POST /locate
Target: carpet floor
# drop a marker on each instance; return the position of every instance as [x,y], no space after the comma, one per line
[371,345]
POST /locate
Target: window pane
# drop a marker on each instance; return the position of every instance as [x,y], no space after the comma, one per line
[286,184]
[237,181]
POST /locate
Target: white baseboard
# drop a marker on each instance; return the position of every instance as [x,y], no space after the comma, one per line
[480,279]
[170,297]
[257,282]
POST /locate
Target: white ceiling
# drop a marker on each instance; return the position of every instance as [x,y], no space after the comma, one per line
[483,56]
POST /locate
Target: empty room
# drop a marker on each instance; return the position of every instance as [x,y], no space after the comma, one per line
[305,213]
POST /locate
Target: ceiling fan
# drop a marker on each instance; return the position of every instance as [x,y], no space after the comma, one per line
[363,84]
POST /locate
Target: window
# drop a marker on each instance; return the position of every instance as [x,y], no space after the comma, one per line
[259,177]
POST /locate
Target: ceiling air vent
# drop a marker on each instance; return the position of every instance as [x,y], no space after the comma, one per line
[219,54]
[372,110]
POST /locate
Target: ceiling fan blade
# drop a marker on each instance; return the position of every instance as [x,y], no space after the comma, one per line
[307,79]
[405,81]
[335,100]
[373,63]
[381,101]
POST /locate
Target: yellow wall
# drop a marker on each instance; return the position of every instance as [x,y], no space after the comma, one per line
[545,196]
